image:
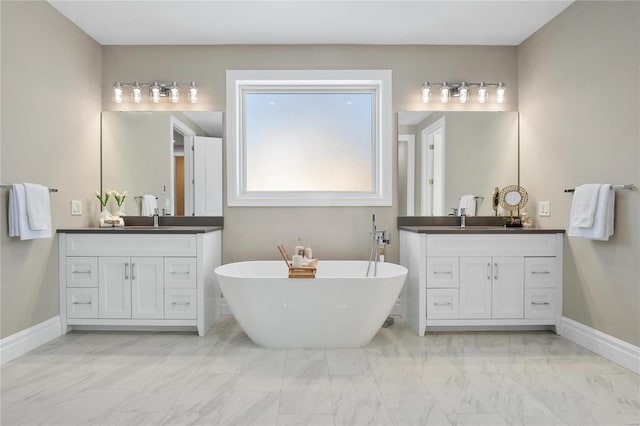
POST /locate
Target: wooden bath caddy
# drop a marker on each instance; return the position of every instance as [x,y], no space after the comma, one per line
[300,271]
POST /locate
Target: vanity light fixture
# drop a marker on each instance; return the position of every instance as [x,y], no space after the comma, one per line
[462,91]
[157,90]
[426,92]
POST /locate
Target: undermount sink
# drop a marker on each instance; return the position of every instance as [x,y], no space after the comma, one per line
[147,227]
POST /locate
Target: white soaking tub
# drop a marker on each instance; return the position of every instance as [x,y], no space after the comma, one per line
[340,308]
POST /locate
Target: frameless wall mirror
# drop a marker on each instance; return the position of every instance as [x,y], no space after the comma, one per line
[443,156]
[174,156]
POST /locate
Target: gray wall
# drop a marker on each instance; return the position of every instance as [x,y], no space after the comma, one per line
[51,94]
[579,91]
[333,233]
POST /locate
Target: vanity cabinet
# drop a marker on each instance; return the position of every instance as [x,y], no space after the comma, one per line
[121,278]
[496,279]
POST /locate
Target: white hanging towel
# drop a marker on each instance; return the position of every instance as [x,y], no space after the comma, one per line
[583,206]
[149,204]
[38,206]
[602,226]
[18,216]
[468,203]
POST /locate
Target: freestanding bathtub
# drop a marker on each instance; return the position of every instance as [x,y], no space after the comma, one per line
[340,308]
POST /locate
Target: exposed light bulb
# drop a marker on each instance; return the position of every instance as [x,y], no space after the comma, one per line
[500,93]
[482,93]
[117,92]
[426,92]
[136,92]
[463,92]
[175,92]
[444,93]
[155,92]
[193,92]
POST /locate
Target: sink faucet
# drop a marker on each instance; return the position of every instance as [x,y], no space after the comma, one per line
[463,217]
[155,218]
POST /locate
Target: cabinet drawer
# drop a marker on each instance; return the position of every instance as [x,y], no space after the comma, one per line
[81,271]
[539,303]
[179,272]
[540,272]
[179,304]
[82,303]
[442,272]
[442,303]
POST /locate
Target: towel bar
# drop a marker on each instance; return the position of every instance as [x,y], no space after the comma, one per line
[7,186]
[626,186]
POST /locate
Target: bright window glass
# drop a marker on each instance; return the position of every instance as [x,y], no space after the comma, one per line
[299,141]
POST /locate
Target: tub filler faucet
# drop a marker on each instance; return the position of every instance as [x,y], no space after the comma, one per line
[379,241]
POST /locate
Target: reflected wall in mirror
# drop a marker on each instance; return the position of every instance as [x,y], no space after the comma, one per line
[175,157]
[444,156]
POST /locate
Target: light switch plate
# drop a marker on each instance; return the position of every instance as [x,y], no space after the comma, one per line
[544,208]
[76,208]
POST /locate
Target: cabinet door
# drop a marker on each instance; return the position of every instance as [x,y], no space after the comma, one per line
[507,290]
[475,287]
[147,289]
[114,287]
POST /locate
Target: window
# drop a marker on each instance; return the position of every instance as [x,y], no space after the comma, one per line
[309,138]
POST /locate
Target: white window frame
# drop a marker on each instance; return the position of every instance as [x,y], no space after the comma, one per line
[239,81]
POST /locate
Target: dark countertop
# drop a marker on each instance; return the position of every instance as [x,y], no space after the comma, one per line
[143,230]
[477,230]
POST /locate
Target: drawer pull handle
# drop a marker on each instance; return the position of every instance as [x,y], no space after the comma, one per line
[540,272]
[441,304]
[126,271]
[540,303]
[441,272]
[180,303]
[82,303]
[80,272]
[179,273]
[495,277]
[133,271]
[488,271]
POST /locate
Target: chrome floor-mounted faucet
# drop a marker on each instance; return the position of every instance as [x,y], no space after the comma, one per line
[379,241]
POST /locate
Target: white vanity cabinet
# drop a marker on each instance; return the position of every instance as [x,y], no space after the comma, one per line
[500,278]
[118,278]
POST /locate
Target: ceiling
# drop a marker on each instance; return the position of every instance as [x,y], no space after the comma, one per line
[148,22]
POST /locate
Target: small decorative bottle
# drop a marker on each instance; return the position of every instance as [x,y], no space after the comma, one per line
[299,247]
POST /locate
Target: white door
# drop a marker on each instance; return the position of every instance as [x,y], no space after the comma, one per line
[147,289]
[207,176]
[507,291]
[475,287]
[432,165]
[114,287]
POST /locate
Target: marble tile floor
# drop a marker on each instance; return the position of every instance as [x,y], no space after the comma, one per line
[444,378]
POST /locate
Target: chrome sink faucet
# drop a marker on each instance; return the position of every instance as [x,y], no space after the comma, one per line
[155,218]
[463,218]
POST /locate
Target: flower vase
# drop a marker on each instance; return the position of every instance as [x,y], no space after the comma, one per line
[103,215]
[120,211]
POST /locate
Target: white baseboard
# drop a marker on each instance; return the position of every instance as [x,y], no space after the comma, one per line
[20,343]
[612,348]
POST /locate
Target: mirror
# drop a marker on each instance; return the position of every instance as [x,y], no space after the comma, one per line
[445,155]
[176,157]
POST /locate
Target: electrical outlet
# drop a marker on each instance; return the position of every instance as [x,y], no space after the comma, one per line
[544,208]
[76,208]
